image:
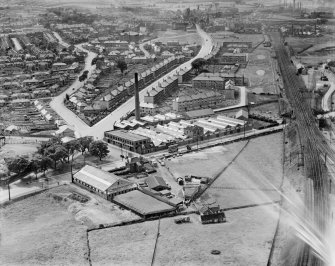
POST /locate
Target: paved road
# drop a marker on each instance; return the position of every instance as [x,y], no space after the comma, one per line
[327,98]
[58,102]
[107,123]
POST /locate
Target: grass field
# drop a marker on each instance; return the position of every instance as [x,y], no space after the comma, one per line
[205,163]
[253,177]
[189,244]
[50,228]
[40,231]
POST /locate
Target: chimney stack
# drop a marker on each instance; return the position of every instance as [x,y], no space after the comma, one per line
[137,99]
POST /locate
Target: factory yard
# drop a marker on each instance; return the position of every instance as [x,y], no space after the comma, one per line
[191,243]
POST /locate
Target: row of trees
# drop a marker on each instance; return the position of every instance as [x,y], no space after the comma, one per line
[54,151]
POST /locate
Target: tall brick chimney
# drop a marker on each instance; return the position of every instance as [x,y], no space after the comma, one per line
[137,99]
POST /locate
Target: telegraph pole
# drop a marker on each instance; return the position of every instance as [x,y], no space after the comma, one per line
[8,187]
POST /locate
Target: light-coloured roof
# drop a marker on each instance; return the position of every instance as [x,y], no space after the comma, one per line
[95,177]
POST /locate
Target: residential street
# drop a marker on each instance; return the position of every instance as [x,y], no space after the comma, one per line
[58,102]
[105,124]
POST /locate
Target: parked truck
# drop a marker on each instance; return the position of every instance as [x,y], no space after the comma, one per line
[173,148]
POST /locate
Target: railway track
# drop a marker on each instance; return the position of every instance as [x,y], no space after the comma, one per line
[313,146]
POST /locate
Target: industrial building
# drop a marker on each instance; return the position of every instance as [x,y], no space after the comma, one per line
[216,80]
[149,139]
[203,100]
[129,141]
[106,185]
[143,204]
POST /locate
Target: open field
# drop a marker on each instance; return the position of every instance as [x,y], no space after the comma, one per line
[259,71]
[227,36]
[204,163]
[40,231]
[178,35]
[50,228]
[189,244]
[13,150]
[253,177]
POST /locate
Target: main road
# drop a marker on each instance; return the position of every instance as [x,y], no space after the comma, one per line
[97,131]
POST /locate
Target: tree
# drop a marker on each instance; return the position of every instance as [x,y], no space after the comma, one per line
[67,97]
[18,165]
[56,153]
[84,143]
[35,165]
[99,149]
[45,163]
[122,65]
[71,147]
[47,144]
[198,63]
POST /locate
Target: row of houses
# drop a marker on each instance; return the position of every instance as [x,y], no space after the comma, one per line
[164,89]
[118,94]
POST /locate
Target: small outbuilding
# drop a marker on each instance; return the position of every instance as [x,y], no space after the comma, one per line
[156,183]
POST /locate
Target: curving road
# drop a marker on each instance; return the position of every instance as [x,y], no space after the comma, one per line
[97,131]
[327,98]
[57,102]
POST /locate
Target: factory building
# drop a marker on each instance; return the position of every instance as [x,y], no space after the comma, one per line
[216,80]
[143,204]
[129,141]
[203,100]
[106,185]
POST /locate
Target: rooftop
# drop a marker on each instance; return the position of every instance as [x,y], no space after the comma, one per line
[126,135]
[142,203]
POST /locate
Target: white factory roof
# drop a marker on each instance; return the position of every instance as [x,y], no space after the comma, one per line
[95,177]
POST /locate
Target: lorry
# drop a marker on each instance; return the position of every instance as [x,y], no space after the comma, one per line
[173,148]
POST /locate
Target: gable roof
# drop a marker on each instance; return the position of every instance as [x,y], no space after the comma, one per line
[155,181]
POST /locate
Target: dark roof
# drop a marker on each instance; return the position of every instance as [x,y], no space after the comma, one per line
[127,135]
[142,203]
[155,181]
[199,113]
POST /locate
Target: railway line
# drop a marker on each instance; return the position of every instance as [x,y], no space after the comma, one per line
[313,146]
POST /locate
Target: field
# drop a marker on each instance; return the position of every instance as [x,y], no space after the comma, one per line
[189,244]
[253,178]
[259,71]
[50,228]
[178,35]
[13,150]
[205,163]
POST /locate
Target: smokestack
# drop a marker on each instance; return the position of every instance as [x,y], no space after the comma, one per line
[293,4]
[137,99]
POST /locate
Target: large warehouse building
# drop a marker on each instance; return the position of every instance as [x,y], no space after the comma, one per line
[105,184]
